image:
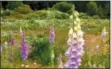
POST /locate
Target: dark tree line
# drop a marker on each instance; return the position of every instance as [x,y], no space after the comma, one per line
[100,8]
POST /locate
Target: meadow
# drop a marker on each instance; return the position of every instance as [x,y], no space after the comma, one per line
[36,24]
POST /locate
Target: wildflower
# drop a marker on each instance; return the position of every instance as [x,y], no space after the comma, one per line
[12,42]
[34,63]
[21,32]
[6,44]
[52,34]
[97,46]
[75,43]
[24,49]
[27,66]
[22,65]
[104,33]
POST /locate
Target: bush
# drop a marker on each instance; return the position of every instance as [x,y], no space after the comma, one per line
[63,7]
[57,14]
[23,9]
[92,8]
[96,17]
[41,50]
[16,15]
[83,16]
[5,12]
[37,15]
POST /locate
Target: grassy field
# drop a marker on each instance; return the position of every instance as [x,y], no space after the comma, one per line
[92,58]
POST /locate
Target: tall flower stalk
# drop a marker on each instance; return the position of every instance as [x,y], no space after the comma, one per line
[103,34]
[24,48]
[51,40]
[52,34]
[75,43]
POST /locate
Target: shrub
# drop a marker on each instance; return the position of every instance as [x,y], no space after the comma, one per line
[16,15]
[5,12]
[37,15]
[83,16]
[63,7]
[41,50]
[96,17]
[57,14]
[23,9]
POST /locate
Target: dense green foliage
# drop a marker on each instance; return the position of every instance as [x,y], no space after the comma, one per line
[101,8]
[41,50]
[92,8]
[63,7]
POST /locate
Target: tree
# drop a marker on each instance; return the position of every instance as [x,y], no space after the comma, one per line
[92,8]
[107,9]
[14,4]
[100,11]
[63,7]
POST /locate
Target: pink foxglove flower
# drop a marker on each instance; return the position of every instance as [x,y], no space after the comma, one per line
[75,49]
[52,34]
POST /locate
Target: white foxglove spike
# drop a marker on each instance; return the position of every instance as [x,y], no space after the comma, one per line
[78,20]
[21,32]
[70,32]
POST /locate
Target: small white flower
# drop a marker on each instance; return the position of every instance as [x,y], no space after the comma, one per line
[22,65]
[34,63]
[6,44]
[27,66]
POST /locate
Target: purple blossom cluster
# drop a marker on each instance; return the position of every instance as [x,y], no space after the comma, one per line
[52,34]
[24,49]
[74,52]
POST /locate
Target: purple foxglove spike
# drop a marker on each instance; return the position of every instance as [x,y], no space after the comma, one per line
[52,34]
[24,50]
